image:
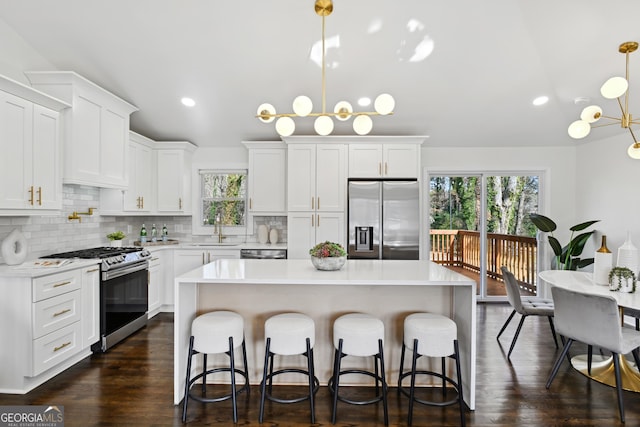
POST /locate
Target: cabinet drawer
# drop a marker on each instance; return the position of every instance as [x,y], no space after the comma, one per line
[56,284]
[54,313]
[56,347]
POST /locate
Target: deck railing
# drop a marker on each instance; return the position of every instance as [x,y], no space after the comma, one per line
[461,248]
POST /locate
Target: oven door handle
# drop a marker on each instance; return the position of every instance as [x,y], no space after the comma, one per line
[112,274]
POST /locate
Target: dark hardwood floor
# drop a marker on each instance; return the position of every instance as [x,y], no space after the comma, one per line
[132,385]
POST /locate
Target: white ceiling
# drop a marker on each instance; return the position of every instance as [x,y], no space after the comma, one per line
[490,59]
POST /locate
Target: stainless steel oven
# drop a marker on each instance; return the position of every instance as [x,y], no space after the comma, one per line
[124,287]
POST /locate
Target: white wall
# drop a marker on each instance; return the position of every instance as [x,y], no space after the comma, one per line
[608,189]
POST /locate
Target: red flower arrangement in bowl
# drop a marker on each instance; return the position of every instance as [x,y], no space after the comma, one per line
[328,256]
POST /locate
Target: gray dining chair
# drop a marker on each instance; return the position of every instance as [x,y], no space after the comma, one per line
[527,306]
[595,321]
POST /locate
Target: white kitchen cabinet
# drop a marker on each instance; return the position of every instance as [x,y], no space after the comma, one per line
[156,282]
[90,305]
[47,323]
[138,198]
[30,143]
[173,163]
[96,129]
[391,160]
[316,177]
[187,259]
[306,229]
[267,178]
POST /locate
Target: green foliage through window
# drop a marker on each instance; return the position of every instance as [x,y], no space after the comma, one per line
[224,197]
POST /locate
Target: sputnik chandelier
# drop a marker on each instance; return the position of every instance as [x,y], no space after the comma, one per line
[614,88]
[303,107]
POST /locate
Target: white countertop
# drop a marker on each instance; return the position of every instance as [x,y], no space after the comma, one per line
[301,271]
[28,269]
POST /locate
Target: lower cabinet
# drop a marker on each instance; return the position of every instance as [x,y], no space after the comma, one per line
[47,324]
[306,229]
[156,282]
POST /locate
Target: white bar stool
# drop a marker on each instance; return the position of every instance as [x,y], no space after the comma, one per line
[431,335]
[214,333]
[361,335]
[288,334]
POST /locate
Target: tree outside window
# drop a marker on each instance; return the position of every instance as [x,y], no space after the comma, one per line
[223,197]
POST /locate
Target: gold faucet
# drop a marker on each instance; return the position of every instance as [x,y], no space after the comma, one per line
[217,228]
[75,214]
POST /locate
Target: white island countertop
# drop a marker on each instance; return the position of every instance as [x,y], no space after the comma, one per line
[301,272]
[387,289]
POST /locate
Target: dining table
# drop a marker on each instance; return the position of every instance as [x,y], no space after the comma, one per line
[602,369]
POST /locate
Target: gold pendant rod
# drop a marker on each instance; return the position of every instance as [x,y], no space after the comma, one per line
[324,101]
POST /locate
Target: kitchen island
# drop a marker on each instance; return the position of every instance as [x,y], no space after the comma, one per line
[387,289]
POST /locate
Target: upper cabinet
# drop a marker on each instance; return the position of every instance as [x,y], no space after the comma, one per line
[96,129]
[385,157]
[30,135]
[138,198]
[173,162]
[267,178]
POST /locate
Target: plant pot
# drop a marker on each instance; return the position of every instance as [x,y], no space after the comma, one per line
[328,263]
[116,243]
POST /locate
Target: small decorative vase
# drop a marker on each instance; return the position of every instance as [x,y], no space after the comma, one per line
[263,234]
[116,243]
[328,263]
[603,261]
[273,236]
[628,255]
[622,279]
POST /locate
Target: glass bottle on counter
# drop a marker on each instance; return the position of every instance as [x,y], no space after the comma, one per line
[143,234]
[154,233]
[165,233]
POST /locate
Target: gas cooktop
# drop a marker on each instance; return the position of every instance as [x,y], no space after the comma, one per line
[99,253]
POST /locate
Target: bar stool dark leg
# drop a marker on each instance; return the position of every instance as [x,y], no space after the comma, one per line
[244,361]
[444,371]
[233,381]
[311,380]
[336,381]
[384,384]
[459,375]
[263,384]
[186,383]
[401,367]
[412,389]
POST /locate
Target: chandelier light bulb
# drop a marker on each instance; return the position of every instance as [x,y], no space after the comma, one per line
[285,126]
[362,125]
[384,104]
[263,110]
[302,106]
[343,110]
[579,129]
[591,114]
[634,151]
[323,125]
[614,88]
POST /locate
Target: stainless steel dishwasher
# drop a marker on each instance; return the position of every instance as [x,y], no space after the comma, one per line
[263,253]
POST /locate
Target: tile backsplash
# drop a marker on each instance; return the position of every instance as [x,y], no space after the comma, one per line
[56,233]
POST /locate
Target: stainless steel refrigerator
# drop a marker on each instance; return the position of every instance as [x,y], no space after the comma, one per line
[383,219]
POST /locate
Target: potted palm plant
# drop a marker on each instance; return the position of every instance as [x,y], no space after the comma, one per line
[566,257]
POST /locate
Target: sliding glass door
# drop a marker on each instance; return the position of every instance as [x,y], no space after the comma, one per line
[480,222]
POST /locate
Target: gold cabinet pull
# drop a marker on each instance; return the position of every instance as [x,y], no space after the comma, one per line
[379,168]
[250,204]
[31,195]
[180,203]
[62,346]
[318,203]
[318,221]
[138,202]
[312,203]
[93,270]
[60,284]
[39,196]
[385,169]
[312,220]
[142,201]
[60,313]
[202,258]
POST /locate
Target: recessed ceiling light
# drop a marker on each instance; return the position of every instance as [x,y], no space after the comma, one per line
[541,100]
[188,102]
